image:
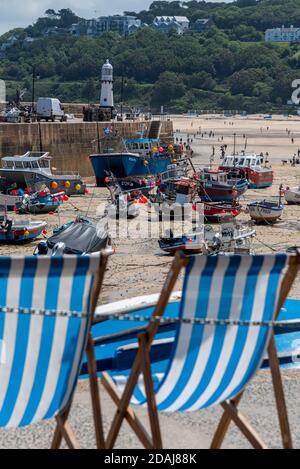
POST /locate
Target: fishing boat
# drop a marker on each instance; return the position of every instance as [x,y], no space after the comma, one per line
[265,211]
[124,204]
[175,199]
[215,212]
[220,186]
[79,237]
[33,167]
[18,231]
[292,195]
[41,202]
[250,167]
[139,185]
[139,157]
[189,244]
[231,238]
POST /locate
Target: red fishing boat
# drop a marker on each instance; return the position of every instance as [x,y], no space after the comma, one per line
[220,186]
[217,211]
[250,167]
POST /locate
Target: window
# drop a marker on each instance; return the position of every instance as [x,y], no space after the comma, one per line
[44,164]
[19,165]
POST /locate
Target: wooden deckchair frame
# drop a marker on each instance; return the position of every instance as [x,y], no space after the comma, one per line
[231,413]
[63,429]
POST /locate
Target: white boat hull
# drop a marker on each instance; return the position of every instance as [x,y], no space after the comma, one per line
[261,214]
[292,196]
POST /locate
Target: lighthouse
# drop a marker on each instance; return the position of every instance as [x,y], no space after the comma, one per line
[107,94]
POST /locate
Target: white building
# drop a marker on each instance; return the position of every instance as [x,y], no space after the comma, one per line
[283,34]
[9,43]
[107,81]
[180,23]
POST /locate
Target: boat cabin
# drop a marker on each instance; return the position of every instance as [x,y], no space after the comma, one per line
[243,161]
[141,145]
[174,172]
[31,161]
[182,192]
[220,177]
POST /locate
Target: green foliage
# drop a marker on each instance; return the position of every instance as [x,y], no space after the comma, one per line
[229,67]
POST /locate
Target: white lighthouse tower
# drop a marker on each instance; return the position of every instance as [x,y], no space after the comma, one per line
[107,94]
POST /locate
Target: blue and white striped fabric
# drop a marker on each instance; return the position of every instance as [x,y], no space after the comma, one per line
[40,355]
[211,364]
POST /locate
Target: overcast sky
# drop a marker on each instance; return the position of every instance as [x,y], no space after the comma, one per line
[20,13]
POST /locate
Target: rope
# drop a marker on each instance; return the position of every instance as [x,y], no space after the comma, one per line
[153,319]
[43,312]
[201,321]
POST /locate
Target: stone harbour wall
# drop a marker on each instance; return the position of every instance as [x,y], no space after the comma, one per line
[71,143]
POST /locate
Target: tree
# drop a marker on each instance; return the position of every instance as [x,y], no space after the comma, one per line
[51,13]
[67,17]
[169,86]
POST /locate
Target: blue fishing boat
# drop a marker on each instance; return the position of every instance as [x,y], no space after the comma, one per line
[18,231]
[137,157]
[41,202]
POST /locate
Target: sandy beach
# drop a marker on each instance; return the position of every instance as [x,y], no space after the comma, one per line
[140,268]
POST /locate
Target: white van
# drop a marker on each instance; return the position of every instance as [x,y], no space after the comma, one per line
[50,109]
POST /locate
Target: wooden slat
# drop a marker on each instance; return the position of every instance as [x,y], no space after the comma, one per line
[279,396]
[245,427]
[130,415]
[150,394]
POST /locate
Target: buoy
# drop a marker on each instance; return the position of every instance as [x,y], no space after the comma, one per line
[77,187]
[174,161]
[67,184]
[65,198]
[154,149]
[45,232]
[54,185]
[55,199]
[161,150]
[26,233]
[61,198]
[107,180]
[170,147]
[146,163]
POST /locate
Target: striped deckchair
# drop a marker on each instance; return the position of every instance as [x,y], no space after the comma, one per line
[46,310]
[223,332]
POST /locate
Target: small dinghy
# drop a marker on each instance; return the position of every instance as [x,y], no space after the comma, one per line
[266,211]
[292,195]
[41,202]
[215,212]
[190,244]
[18,231]
[80,237]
